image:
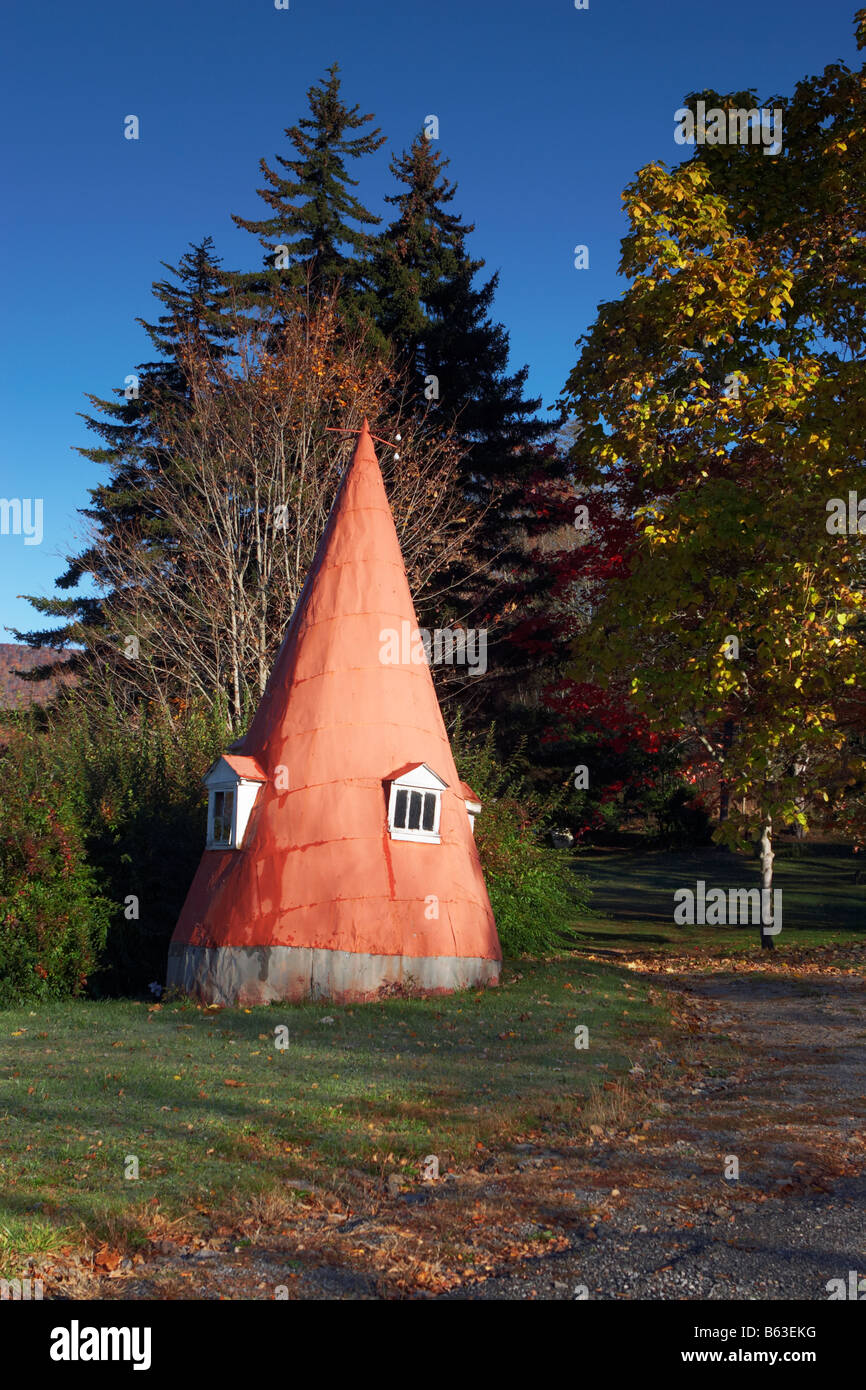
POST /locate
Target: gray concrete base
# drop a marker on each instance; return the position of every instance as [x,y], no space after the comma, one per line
[248,975]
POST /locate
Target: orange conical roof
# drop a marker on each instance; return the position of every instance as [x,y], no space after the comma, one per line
[318,871]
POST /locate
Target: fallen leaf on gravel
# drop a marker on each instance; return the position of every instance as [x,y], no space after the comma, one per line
[106,1258]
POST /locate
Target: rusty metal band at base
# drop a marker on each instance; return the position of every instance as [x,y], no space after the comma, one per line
[247,975]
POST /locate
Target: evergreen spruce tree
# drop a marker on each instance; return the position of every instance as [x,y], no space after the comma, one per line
[317,230]
[429,303]
[193,299]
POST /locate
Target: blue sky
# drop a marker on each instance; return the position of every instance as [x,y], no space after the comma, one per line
[545,111]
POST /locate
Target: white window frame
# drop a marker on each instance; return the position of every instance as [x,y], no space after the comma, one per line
[231,842]
[245,790]
[424,780]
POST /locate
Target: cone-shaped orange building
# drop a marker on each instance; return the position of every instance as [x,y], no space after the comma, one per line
[341,860]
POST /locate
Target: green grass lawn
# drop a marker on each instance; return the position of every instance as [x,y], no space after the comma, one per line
[217,1116]
[214,1113]
[633,899]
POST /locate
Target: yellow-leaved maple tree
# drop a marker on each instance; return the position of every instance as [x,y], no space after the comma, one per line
[721,404]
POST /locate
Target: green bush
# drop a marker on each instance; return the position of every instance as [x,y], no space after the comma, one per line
[53,915]
[684,820]
[138,780]
[99,797]
[533,889]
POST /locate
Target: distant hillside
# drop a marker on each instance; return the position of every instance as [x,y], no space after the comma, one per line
[16,693]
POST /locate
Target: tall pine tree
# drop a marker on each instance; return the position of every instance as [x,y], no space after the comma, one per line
[437,316]
[430,304]
[317,231]
[192,320]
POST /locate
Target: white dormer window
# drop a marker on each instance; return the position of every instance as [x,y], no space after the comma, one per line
[233,785]
[415,804]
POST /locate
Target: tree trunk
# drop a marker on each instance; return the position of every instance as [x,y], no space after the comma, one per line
[235,697]
[724,789]
[767,857]
[799,769]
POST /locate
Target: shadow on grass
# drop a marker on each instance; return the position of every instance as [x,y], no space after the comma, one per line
[819,891]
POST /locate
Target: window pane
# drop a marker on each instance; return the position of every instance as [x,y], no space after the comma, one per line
[414,821]
[400,803]
[429,811]
[223,809]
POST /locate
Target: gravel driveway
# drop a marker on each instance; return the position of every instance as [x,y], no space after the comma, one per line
[792,1112]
